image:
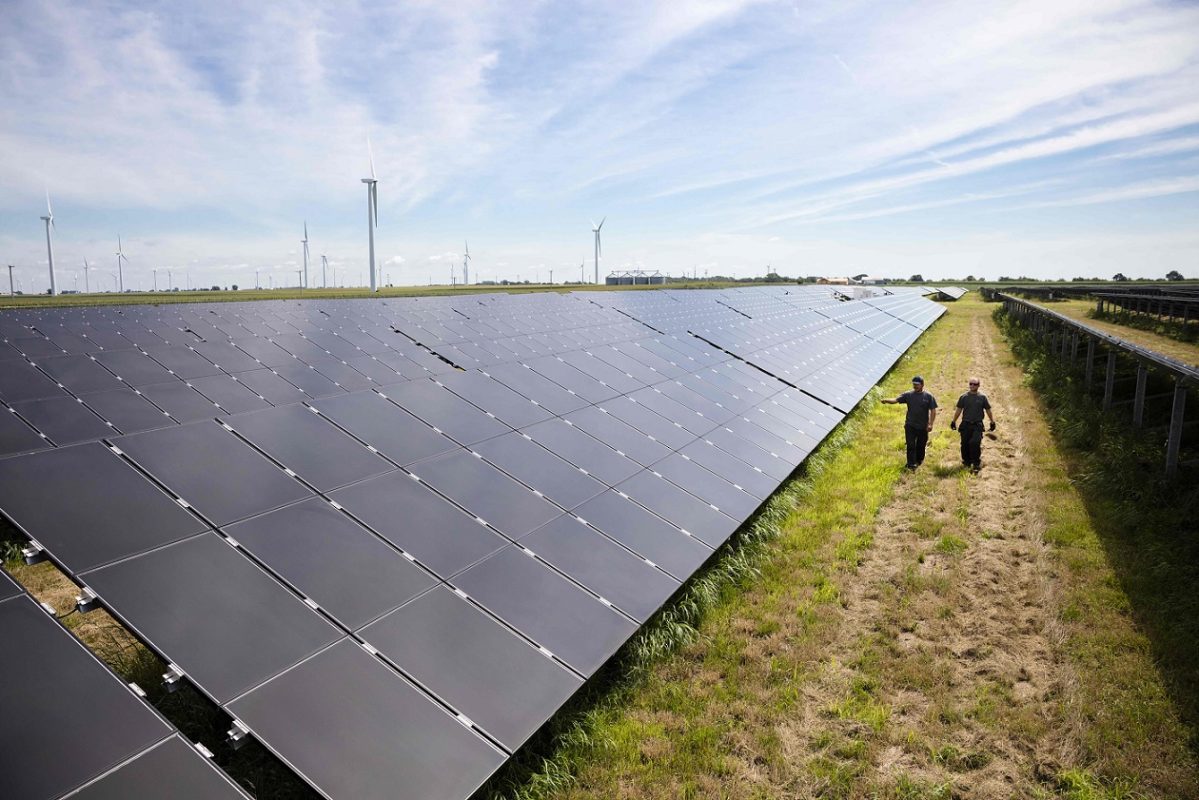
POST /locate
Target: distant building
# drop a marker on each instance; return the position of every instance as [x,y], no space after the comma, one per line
[870,280]
[635,277]
[834,281]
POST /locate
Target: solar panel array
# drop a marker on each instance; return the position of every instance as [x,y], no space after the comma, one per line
[392,537]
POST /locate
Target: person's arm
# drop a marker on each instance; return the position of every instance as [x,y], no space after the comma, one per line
[932,417]
[957,413]
[889,401]
[990,416]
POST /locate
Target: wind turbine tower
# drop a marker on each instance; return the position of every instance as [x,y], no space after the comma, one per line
[304,242]
[49,220]
[372,212]
[324,271]
[120,257]
[86,268]
[598,249]
[466,266]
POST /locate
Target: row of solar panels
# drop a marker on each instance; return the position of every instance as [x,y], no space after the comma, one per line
[393,578]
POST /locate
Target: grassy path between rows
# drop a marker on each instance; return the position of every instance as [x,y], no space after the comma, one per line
[935,634]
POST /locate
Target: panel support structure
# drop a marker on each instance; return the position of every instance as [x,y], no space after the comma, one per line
[1138,403]
[1174,439]
[1109,382]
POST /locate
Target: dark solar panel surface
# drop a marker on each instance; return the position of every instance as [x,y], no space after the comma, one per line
[449,503]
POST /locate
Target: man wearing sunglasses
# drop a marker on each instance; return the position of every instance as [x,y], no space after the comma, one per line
[922,413]
[971,407]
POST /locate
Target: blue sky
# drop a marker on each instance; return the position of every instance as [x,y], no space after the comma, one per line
[1050,139]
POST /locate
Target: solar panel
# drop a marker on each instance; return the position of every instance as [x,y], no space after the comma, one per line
[224,621]
[302,441]
[538,468]
[508,506]
[66,420]
[354,728]
[182,402]
[113,511]
[420,522]
[445,411]
[79,374]
[332,560]
[171,770]
[521,590]
[227,393]
[675,505]
[583,450]
[501,682]
[629,582]
[390,429]
[213,471]
[16,436]
[128,411]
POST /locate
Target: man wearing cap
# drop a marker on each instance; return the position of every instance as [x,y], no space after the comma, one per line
[922,413]
[971,407]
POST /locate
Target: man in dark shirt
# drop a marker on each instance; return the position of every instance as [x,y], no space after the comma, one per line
[922,413]
[971,407]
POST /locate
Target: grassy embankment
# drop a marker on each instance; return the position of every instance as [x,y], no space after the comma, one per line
[797,681]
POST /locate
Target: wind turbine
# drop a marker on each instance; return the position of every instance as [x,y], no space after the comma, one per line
[325,271]
[304,242]
[86,267]
[155,272]
[372,211]
[49,220]
[120,257]
[11,291]
[596,230]
[466,266]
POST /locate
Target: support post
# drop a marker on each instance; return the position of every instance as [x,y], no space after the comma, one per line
[1174,439]
[1074,350]
[1090,362]
[1109,382]
[1138,402]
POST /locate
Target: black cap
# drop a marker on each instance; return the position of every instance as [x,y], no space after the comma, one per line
[917,379]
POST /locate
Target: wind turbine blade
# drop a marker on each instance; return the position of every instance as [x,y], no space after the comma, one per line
[370,154]
[602,221]
[375,200]
[305,230]
[49,210]
[592,224]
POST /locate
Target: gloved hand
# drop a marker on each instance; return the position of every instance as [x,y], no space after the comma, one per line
[992,424]
[953,426]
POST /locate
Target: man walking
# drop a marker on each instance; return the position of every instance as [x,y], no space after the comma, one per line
[922,413]
[971,407]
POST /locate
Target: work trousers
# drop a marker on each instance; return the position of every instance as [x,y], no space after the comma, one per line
[917,440]
[972,443]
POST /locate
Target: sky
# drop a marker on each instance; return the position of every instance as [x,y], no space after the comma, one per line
[1048,139]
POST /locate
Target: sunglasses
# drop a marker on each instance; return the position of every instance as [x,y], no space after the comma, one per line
[974,383]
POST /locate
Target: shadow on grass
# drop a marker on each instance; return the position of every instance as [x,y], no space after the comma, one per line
[1148,526]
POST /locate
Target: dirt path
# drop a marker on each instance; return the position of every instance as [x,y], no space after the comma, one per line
[949,624]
